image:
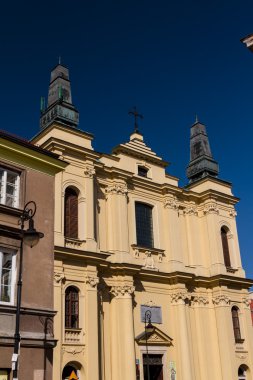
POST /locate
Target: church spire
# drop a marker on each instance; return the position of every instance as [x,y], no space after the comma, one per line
[201,162]
[59,105]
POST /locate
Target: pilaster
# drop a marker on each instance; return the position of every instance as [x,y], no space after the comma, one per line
[122,333]
[117,218]
[91,328]
[91,243]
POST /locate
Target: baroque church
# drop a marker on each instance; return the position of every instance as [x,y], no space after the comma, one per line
[148,280]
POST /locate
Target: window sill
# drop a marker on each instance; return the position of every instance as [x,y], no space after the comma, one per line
[10,210]
[73,243]
[231,270]
[155,251]
[239,341]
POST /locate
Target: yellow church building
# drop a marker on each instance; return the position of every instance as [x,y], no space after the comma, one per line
[148,280]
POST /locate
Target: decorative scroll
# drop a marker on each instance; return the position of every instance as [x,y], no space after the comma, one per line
[221,300]
[59,277]
[170,203]
[179,296]
[92,281]
[122,290]
[211,208]
[89,171]
[117,188]
[191,211]
[232,212]
[149,262]
[199,300]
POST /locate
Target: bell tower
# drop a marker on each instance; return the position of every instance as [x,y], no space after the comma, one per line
[201,162]
[59,105]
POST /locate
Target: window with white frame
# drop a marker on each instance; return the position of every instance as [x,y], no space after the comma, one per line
[9,187]
[7,275]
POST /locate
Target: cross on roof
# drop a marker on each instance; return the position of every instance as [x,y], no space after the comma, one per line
[135,113]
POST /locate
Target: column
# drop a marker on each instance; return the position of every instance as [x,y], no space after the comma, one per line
[117,218]
[91,244]
[91,326]
[193,233]
[58,323]
[184,357]
[172,230]
[225,334]
[122,333]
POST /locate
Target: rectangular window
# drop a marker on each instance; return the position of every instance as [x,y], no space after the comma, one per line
[9,188]
[144,225]
[7,276]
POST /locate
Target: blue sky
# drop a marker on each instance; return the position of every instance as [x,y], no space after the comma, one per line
[171,59]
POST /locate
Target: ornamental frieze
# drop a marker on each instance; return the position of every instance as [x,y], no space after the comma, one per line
[122,290]
[179,297]
[170,203]
[89,171]
[200,300]
[92,281]
[221,300]
[191,211]
[211,208]
[117,188]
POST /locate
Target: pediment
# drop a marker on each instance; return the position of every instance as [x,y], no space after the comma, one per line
[156,338]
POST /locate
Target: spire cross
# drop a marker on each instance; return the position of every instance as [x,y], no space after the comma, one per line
[135,114]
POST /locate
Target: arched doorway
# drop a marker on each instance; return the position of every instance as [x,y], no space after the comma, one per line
[70,373]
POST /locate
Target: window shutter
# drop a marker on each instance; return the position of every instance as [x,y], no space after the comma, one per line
[71,214]
[224,239]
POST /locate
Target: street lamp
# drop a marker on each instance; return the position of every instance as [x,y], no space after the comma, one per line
[149,328]
[29,237]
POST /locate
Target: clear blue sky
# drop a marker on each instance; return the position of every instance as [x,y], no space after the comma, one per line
[172,59]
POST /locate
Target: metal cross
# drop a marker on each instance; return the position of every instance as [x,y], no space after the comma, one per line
[135,113]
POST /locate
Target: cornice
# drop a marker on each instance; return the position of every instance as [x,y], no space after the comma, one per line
[63,127]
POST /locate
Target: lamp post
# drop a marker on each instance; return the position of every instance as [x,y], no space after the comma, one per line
[29,237]
[149,328]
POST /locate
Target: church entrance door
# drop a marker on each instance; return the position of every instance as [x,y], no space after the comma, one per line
[155,367]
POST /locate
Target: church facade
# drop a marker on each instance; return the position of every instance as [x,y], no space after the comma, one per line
[148,280]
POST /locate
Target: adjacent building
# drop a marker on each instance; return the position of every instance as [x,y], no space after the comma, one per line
[127,240]
[27,174]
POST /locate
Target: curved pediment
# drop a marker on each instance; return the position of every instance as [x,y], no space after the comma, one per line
[156,338]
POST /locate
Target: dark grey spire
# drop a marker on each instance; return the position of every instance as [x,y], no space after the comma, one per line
[59,104]
[201,162]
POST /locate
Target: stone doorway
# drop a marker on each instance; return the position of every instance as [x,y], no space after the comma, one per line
[155,366]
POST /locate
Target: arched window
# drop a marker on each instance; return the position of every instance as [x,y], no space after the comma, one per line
[69,372]
[236,324]
[242,372]
[71,214]
[224,240]
[144,225]
[71,308]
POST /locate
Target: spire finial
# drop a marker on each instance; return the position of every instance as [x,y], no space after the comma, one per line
[135,113]
[59,60]
[196,119]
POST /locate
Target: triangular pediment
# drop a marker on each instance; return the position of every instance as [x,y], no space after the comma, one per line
[156,338]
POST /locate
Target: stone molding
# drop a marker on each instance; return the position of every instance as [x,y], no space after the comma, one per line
[59,277]
[150,303]
[117,188]
[92,281]
[170,203]
[211,208]
[89,171]
[122,290]
[200,300]
[190,210]
[221,300]
[179,297]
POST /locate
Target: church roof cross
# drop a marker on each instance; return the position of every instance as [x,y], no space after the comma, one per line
[135,114]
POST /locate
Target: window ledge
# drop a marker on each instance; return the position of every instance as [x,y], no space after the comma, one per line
[231,270]
[155,251]
[239,341]
[73,243]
